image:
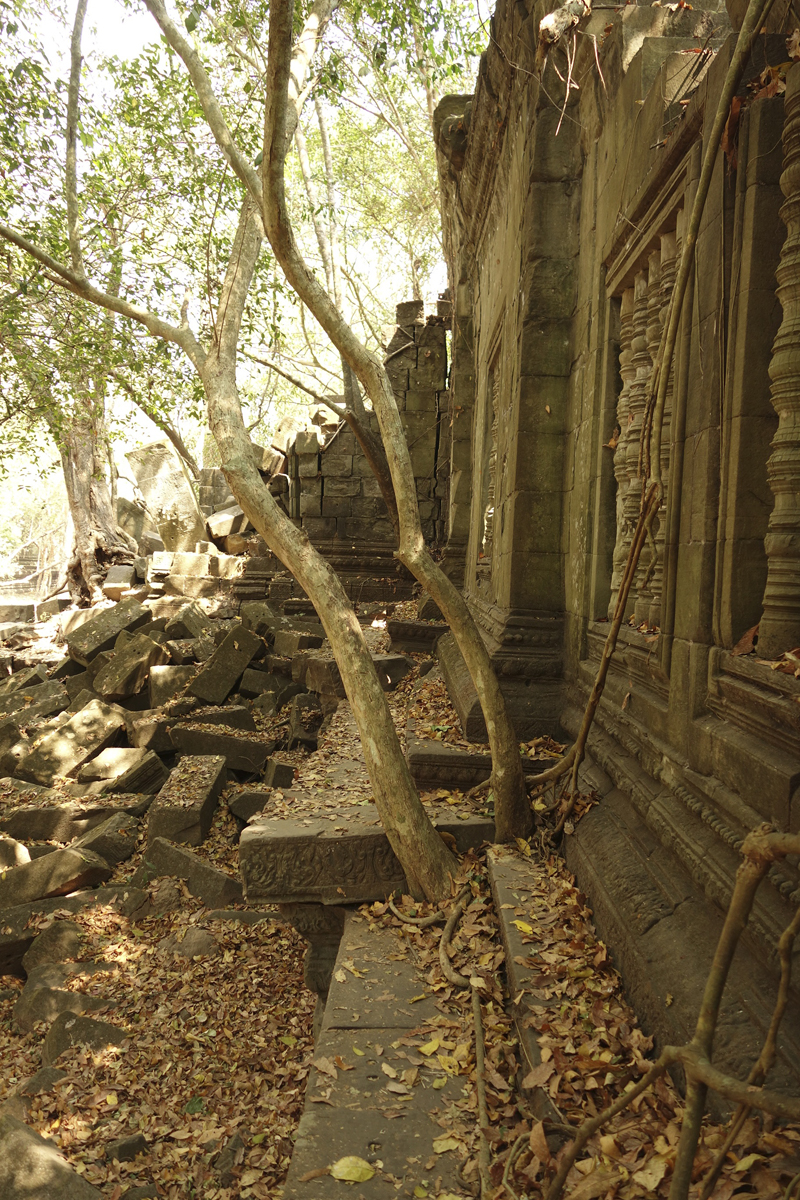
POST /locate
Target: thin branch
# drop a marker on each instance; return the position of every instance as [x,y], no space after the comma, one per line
[265,362]
[71,171]
[160,422]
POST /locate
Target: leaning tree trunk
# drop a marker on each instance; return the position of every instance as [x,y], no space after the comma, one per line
[98,542]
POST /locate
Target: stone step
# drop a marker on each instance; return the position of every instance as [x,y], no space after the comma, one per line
[356,1114]
[434,764]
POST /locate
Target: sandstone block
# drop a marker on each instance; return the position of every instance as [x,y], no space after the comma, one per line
[66,750]
[278,774]
[234,716]
[114,841]
[240,753]
[54,874]
[118,580]
[145,777]
[69,1030]
[12,853]
[212,886]
[189,622]
[31,1168]
[101,631]
[168,494]
[227,521]
[305,719]
[185,806]
[56,943]
[218,677]
[289,642]
[28,677]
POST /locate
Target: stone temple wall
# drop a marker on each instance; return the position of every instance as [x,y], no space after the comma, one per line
[562,236]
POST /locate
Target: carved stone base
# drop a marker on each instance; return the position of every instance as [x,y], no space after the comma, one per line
[321,925]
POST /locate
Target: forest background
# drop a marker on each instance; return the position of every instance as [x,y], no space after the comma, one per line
[362,191]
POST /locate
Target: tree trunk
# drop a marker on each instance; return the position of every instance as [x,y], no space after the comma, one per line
[513,817]
[428,864]
[98,542]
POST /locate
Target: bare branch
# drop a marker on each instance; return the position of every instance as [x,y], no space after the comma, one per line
[160,422]
[181,335]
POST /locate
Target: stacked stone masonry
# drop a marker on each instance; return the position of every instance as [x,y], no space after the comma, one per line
[563,235]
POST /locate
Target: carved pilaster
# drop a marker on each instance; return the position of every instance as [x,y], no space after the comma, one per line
[646,591]
[780,625]
[642,365]
[627,372]
[668,271]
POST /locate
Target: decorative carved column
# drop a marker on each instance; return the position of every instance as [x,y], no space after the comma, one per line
[627,372]
[643,365]
[668,270]
[780,625]
[646,592]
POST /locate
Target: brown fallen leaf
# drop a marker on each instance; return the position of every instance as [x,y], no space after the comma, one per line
[309,1175]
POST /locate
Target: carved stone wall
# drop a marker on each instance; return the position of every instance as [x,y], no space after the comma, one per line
[564,251]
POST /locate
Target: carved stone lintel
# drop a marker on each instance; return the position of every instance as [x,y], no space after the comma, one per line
[780,624]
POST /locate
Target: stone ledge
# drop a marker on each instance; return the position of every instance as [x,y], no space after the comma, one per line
[435,764]
[358,1115]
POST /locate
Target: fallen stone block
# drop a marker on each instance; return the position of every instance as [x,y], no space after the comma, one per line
[114,841]
[168,681]
[195,586]
[195,943]
[64,752]
[234,716]
[84,697]
[151,733]
[128,672]
[391,669]
[168,494]
[247,804]
[111,763]
[278,774]
[56,943]
[187,651]
[17,936]
[118,580]
[65,667]
[63,822]
[262,618]
[289,642]
[146,777]
[102,630]
[189,622]
[324,678]
[185,806]
[305,718]
[415,636]
[212,886]
[219,676]
[75,684]
[54,874]
[31,1168]
[227,521]
[40,701]
[44,998]
[126,1149]
[28,677]
[254,683]
[69,1030]
[240,753]
[13,853]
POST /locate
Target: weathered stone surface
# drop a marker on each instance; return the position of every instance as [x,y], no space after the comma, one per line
[227,521]
[234,716]
[305,718]
[110,763]
[168,494]
[31,1167]
[44,1080]
[127,673]
[69,1030]
[151,732]
[436,764]
[262,618]
[195,943]
[56,943]
[44,998]
[414,636]
[212,886]
[126,1149]
[240,753]
[189,622]
[54,874]
[284,861]
[39,822]
[289,641]
[255,683]
[64,752]
[168,681]
[323,677]
[118,580]
[146,777]
[246,804]
[185,806]
[27,678]
[219,676]
[278,774]
[13,853]
[40,701]
[19,937]
[114,840]
[101,631]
